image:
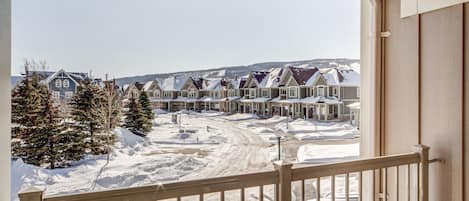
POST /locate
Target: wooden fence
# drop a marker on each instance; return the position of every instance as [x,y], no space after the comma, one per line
[371,176]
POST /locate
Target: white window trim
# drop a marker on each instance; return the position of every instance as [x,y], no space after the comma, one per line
[58,83]
[65,83]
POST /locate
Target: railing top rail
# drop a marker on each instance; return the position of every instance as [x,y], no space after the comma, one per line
[329,169]
[177,189]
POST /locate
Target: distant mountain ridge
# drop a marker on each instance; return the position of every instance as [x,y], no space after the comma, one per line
[236,71]
[228,71]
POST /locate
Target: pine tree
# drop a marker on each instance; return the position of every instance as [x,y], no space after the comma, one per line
[135,118]
[25,116]
[62,147]
[38,134]
[147,109]
[87,109]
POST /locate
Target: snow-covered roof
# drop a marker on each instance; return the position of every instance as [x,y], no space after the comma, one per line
[147,85]
[214,84]
[343,76]
[125,87]
[350,77]
[302,75]
[75,78]
[173,83]
[272,79]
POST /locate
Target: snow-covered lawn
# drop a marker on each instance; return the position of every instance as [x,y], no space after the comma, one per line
[213,144]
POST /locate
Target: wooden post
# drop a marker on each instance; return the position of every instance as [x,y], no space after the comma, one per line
[423,183]
[30,194]
[284,170]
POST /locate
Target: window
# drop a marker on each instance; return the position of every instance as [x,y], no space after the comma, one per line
[283,91]
[321,91]
[358,92]
[334,91]
[68,94]
[157,94]
[252,93]
[292,92]
[192,93]
[58,83]
[265,93]
[66,84]
[56,94]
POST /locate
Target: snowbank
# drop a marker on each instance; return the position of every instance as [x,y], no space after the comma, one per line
[313,153]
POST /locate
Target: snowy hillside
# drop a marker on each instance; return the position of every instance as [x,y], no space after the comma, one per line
[239,71]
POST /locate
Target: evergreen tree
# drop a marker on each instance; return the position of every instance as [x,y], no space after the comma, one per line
[135,118]
[26,119]
[87,109]
[61,147]
[147,108]
[38,134]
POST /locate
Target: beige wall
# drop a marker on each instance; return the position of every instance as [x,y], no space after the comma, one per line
[423,93]
[5,63]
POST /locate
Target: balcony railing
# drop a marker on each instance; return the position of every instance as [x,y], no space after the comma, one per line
[409,181]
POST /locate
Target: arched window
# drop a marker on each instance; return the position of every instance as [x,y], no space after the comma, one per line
[58,83]
[66,84]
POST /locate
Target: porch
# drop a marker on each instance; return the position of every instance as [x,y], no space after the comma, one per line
[394,177]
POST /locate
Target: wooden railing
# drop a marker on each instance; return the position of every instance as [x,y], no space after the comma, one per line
[372,177]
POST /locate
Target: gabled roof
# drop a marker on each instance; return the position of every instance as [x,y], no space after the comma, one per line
[272,79]
[342,76]
[173,83]
[216,84]
[198,82]
[147,85]
[302,75]
[139,85]
[259,75]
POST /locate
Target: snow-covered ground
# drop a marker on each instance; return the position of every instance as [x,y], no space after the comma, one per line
[212,144]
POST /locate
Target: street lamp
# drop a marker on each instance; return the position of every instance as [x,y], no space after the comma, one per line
[180,118]
[286,119]
[278,146]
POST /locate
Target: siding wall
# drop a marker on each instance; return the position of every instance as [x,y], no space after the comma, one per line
[424,92]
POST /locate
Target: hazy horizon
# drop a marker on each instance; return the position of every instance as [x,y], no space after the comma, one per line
[147,37]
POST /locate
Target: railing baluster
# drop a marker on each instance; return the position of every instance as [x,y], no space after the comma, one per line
[261,193]
[373,186]
[333,187]
[222,195]
[302,190]
[277,192]
[347,186]
[360,185]
[318,189]
[397,183]
[408,182]
[242,194]
[385,184]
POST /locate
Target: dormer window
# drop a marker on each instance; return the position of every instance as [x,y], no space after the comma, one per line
[66,84]
[265,93]
[292,92]
[58,83]
[252,93]
[320,91]
[334,91]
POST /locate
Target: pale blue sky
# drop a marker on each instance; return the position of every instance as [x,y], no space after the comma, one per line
[132,37]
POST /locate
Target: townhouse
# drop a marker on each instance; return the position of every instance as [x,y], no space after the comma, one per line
[298,92]
[62,84]
[260,88]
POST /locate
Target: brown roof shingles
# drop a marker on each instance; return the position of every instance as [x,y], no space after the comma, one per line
[302,75]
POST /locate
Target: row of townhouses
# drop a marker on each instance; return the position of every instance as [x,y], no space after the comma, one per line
[309,93]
